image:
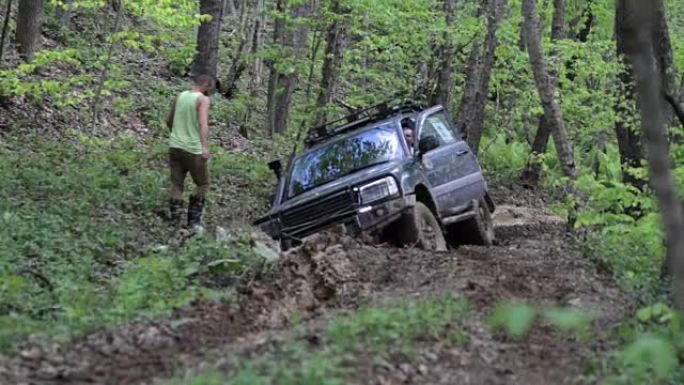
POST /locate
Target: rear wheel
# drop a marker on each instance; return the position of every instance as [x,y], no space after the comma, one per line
[420,228]
[478,230]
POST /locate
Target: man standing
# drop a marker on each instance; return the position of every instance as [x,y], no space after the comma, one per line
[188,121]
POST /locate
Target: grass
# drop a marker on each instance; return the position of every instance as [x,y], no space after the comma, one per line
[402,327]
[81,245]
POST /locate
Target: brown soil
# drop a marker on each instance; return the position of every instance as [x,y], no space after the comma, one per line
[532,261]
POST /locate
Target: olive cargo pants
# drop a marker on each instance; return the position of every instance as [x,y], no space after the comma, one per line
[181,162]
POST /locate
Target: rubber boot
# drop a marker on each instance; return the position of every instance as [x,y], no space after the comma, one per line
[195,211]
[176,211]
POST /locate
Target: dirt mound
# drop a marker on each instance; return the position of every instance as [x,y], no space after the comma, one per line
[320,274]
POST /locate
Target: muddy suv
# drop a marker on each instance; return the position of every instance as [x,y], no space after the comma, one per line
[360,174]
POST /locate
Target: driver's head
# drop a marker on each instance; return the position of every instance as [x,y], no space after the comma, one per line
[407,126]
[205,84]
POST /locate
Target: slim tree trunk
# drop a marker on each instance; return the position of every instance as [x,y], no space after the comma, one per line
[238,64]
[547,89]
[67,13]
[257,43]
[638,25]
[444,88]
[471,111]
[206,58]
[282,85]
[29,23]
[628,135]
[336,36]
[5,25]
[532,172]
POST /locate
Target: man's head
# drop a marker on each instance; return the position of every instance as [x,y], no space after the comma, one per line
[205,84]
[408,127]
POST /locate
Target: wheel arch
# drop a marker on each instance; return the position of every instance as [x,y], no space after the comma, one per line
[424,196]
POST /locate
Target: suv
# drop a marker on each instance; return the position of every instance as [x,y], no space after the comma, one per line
[360,173]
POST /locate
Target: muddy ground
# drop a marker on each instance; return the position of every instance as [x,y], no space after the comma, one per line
[533,260]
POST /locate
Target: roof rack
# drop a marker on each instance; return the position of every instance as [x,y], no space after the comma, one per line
[359,118]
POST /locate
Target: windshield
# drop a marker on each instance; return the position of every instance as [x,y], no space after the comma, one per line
[368,148]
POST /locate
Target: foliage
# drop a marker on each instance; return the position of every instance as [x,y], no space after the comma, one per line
[517,319]
[650,346]
[78,234]
[378,330]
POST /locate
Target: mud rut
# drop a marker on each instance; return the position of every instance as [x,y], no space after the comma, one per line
[331,273]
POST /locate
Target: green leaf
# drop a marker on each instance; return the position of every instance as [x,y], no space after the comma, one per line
[515,319]
[650,352]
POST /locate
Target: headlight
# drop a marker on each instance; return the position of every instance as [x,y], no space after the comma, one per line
[379,189]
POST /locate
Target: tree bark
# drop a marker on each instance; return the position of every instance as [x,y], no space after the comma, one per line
[29,24]
[336,36]
[5,25]
[206,58]
[444,83]
[472,108]
[636,34]
[282,85]
[628,136]
[67,13]
[238,64]
[532,172]
[547,90]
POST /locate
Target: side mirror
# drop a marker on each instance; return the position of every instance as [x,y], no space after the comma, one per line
[427,144]
[276,167]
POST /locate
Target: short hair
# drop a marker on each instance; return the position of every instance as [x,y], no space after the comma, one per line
[407,123]
[205,80]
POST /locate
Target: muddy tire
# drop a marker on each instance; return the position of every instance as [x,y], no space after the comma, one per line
[420,228]
[478,230]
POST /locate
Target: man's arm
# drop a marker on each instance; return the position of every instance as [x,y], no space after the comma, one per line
[172,112]
[203,117]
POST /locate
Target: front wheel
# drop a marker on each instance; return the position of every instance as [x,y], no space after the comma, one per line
[478,230]
[419,227]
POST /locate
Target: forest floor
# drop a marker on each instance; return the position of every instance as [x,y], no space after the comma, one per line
[322,295]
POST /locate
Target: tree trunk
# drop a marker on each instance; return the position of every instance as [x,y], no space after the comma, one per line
[67,13]
[238,64]
[29,23]
[662,46]
[547,89]
[282,85]
[336,36]
[5,25]
[444,83]
[636,35]
[532,172]
[206,58]
[473,106]
[628,136]
[257,43]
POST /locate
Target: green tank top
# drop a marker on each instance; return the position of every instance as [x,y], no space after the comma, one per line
[185,131]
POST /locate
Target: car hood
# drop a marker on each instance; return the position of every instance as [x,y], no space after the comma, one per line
[354,179]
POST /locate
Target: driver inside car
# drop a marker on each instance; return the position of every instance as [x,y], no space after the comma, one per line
[408,127]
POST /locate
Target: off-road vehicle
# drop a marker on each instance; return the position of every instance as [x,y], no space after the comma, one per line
[359,173]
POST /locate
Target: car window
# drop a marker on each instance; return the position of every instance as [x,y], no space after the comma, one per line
[341,157]
[437,126]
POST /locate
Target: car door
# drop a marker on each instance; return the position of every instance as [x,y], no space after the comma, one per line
[450,167]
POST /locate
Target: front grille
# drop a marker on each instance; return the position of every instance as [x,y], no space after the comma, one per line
[319,212]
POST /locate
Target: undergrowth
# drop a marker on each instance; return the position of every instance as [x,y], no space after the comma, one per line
[81,241]
[396,328]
